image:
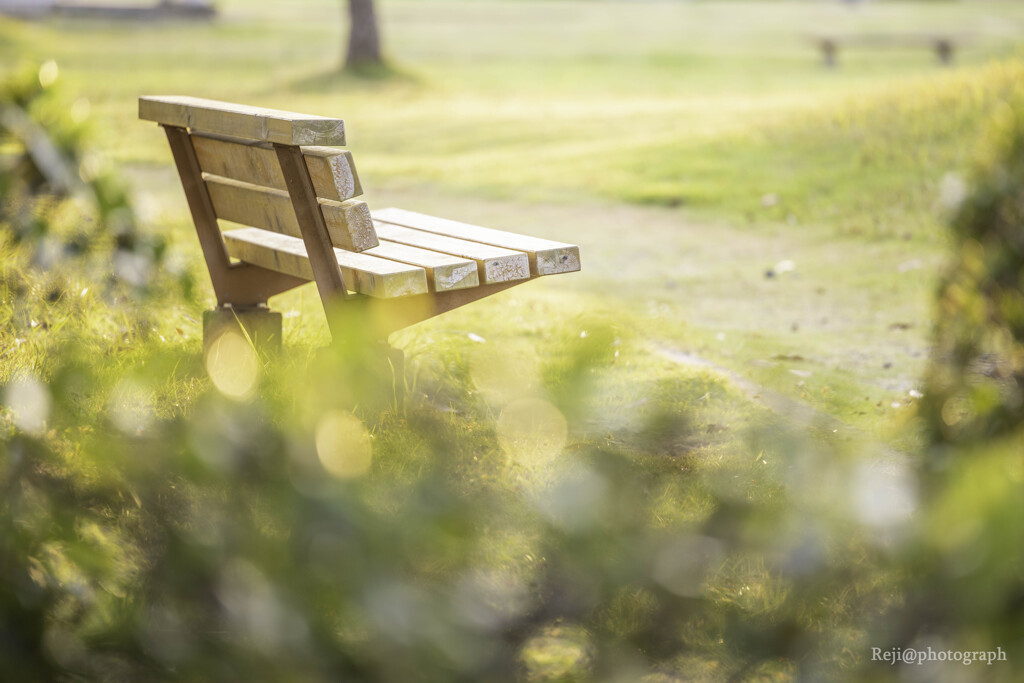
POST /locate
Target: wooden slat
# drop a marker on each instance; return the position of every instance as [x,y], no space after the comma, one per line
[332,171]
[494,263]
[334,175]
[547,257]
[445,272]
[348,223]
[367,274]
[240,121]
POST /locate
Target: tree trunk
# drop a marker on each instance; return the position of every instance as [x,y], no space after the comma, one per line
[363,39]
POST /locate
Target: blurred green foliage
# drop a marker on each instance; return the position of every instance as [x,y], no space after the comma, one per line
[74,255]
[46,161]
[967,563]
[976,386]
[154,526]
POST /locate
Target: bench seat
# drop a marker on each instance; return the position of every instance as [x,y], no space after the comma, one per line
[416,254]
[546,257]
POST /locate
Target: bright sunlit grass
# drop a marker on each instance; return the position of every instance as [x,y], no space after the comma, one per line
[720,403]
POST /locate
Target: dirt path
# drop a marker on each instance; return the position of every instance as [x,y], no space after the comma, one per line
[793,409]
[778,308]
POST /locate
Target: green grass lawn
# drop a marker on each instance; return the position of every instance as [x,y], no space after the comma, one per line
[721,111]
[760,238]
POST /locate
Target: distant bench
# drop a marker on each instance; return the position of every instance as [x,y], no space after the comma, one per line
[160,9]
[280,175]
[942,45]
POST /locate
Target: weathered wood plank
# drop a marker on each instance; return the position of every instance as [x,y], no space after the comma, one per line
[445,272]
[547,257]
[495,264]
[241,121]
[348,223]
[332,170]
[368,274]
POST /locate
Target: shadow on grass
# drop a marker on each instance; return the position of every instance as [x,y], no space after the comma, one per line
[362,76]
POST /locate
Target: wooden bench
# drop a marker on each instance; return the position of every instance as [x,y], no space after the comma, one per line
[281,176]
[942,45]
[136,11]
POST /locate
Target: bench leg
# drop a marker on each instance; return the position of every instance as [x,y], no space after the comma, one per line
[258,323]
[828,53]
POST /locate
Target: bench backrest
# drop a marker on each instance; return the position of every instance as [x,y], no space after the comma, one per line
[237,151]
